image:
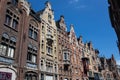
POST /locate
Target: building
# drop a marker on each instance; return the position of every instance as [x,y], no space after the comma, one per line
[19,41]
[33,46]
[76,62]
[64,51]
[114,7]
[48,44]
[118,70]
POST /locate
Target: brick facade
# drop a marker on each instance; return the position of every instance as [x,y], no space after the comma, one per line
[33,46]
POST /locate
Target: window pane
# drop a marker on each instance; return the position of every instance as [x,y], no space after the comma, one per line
[3,49]
[29,56]
[30,33]
[34,58]
[35,35]
[7,20]
[11,52]
[0,49]
[65,56]
[14,24]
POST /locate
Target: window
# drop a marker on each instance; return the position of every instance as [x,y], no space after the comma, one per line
[13,40]
[15,23]
[33,32]
[66,68]
[30,33]
[11,52]
[3,49]
[8,20]
[42,76]
[49,50]
[7,47]
[31,57]
[11,19]
[30,76]
[32,53]
[66,56]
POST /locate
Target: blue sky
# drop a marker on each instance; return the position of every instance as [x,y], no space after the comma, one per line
[90,19]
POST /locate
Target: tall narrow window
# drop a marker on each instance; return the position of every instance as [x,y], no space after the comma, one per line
[35,35]
[3,49]
[34,58]
[30,32]
[42,76]
[32,53]
[8,20]
[65,56]
[11,52]
[14,24]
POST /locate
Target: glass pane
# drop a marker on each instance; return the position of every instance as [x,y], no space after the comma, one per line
[4,48]
[30,33]
[11,52]
[65,56]
[35,35]
[34,58]
[14,24]
[0,49]
[8,20]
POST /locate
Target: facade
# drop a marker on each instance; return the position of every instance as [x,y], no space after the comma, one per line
[19,39]
[64,51]
[115,17]
[48,44]
[118,70]
[109,68]
[33,46]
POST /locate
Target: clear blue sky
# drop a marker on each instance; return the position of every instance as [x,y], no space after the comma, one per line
[90,19]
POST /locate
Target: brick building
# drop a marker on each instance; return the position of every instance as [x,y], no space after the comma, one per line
[33,46]
[19,41]
[64,51]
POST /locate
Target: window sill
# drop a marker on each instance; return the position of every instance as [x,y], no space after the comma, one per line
[50,55]
[7,57]
[31,62]
[33,39]
[11,28]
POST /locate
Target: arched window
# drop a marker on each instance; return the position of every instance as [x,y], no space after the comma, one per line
[33,30]
[31,76]
[7,47]
[13,40]
[5,37]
